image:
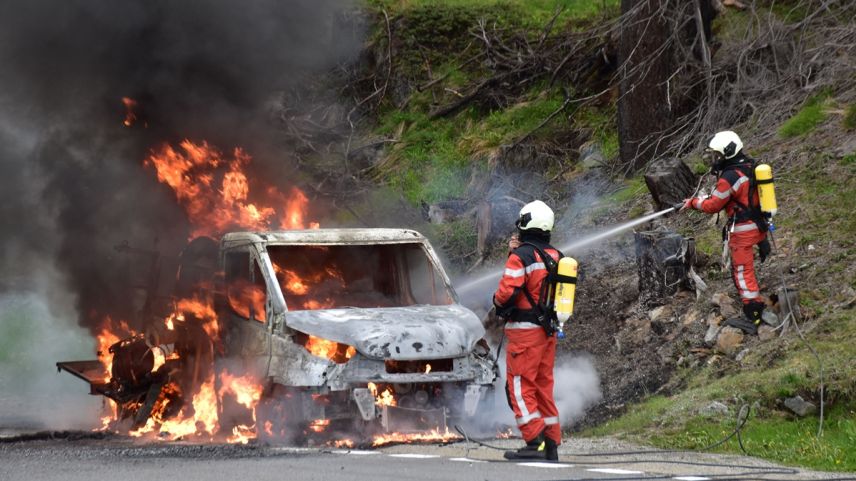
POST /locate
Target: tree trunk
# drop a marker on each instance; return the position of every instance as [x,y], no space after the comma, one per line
[644,112]
[652,91]
[670,181]
[664,261]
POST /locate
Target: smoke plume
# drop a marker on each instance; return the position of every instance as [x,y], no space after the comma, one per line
[72,180]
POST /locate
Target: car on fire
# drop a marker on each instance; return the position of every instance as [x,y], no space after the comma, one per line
[358,328]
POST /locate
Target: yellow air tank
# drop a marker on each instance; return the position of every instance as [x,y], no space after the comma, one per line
[766,189]
[565,291]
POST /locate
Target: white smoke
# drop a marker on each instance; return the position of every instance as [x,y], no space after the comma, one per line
[34,395]
[576,387]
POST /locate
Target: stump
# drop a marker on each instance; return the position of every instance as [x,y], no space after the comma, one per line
[670,181]
[664,260]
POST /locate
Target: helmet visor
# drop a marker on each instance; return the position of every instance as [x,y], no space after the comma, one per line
[712,158]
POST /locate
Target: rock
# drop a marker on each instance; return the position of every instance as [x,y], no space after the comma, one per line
[799,406]
[766,333]
[729,340]
[691,317]
[770,317]
[660,313]
[713,319]
[741,355]
[591,155]
[727,306]
[715,408]
[711,335]
[446,211]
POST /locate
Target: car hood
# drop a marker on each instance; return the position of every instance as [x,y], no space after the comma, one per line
[400,333]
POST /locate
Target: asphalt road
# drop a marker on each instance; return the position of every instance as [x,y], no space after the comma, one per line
[123,459]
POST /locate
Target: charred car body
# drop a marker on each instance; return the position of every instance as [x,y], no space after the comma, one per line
[356,327]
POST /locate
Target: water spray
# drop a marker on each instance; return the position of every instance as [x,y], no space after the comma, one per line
[571,247]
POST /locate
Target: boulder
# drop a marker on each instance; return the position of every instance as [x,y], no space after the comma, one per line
[729,340]
[766,333]
[727,307]
[715,408]
[799,406]
[660,314]
[591,155]
[691,317]
[711,335]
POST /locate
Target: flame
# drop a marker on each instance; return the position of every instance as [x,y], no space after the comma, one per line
[427,368]
[329,349]
[247,391]
[201,419]
[215,191]
[109,335]
[319,425]
[341,443]
[130,116]
[110,414]
[385,398]
[160,358]
[243,295]
[435,435]
[242,434]
[202,310]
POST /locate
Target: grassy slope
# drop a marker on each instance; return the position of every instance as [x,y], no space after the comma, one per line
[815,235]
[434,160]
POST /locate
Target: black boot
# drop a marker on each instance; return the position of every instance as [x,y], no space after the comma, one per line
[742,324]
[551,450]
[753,311]
[534,449]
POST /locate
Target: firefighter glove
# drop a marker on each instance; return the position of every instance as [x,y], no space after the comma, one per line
[764,249]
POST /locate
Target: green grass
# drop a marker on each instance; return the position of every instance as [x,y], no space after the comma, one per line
[849,120]
[812,114]
[814,206]
[529,11]
[631,189]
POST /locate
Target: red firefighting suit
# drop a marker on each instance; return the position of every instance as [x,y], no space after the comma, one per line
[530,353]
[732,193]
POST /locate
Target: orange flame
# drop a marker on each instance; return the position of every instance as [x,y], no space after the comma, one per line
[385,398]
[130,116]
[243,296]
[319,425]
[213,206]
[435,435]
[329,349]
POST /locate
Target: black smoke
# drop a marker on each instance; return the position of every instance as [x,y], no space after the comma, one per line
[72,180]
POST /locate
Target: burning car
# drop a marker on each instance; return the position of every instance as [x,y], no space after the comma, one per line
[342,330]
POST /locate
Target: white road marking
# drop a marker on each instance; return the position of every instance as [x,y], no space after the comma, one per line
[691,478]
[614,471]
[468,460]
[290,449]
[353,451]
[414,456]
[546,465]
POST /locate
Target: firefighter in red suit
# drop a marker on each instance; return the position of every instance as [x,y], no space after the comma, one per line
[736,193]
[531,348]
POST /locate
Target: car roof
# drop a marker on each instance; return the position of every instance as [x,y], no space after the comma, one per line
[326,236]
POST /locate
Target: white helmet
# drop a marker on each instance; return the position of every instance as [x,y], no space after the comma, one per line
[726,143]
[536,215]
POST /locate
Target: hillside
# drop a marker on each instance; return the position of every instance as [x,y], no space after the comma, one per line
[471,106]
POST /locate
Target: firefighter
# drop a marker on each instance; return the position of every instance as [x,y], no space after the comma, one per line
[746,227]
[531,348]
